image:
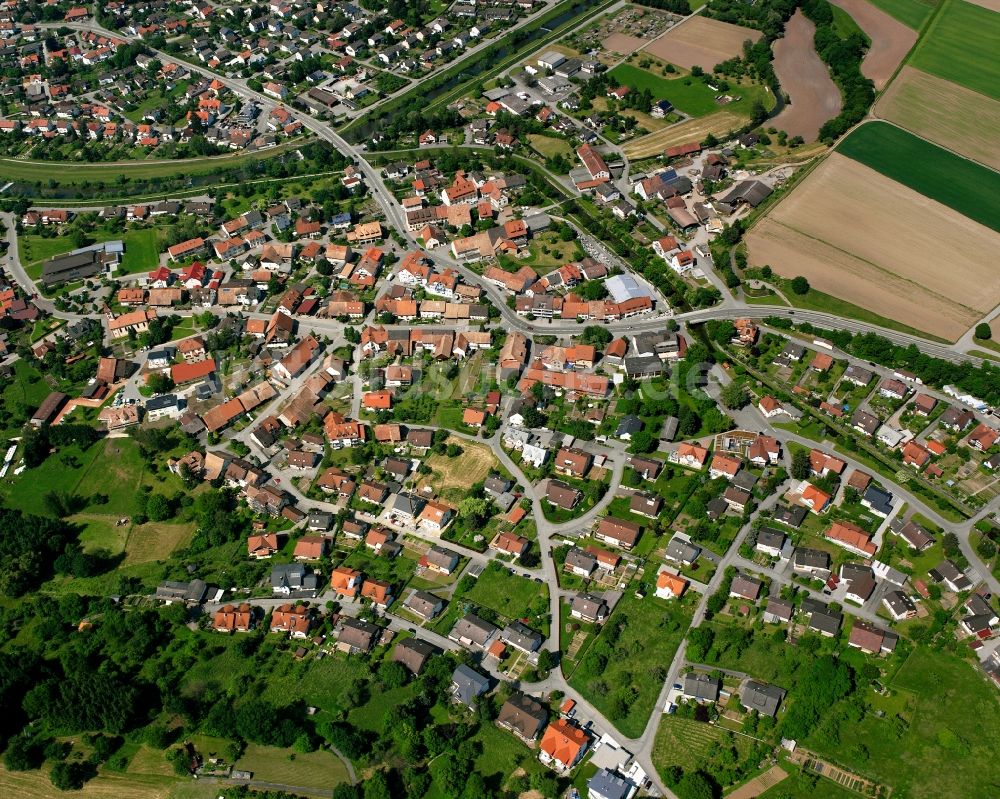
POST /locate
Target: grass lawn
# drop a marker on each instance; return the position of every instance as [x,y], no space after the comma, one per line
[550,146]
[806,786]
[963,185]
[689,95]
[110,173]
[818,301]
[142,250]
[909,12]
[27,388]
[512,596]
[100,532]
[321,769]
[958,44]
[619,674]
[693,744]
[952,738]
[548,252]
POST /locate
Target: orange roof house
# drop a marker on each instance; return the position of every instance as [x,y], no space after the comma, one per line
[262,546]
[851,537]
[380,593]
[815,499]
[562,744]
[473,417]
[377,400]
[670,585]
[345,581]
[229,619]
[310,547]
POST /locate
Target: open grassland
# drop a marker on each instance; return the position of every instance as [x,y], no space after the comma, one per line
[142,248]
[510,595]
[693,130]
[962,120]
[702,42]
[321,770]
[962,185]
[948,750]
[550,146]
[155,541]
[690,95]
[36,785]
[856,235]
[455,475]
[621,672]
[911,13]
[805,79]
[74,173]
[890,40]
[962,45]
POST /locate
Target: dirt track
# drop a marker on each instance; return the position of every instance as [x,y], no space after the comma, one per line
[891,40]
[859,236]
[701,41]
[814,96]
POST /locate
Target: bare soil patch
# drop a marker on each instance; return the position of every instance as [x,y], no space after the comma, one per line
[702,42]
[692,130]
[451,475]
[814,97]
[758,785]
[962,120]
[859,236]
[623,44]
[891,40]
[992,5]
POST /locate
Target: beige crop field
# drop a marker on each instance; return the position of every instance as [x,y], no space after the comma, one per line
[814,97]
[692,130]
[992,5]
[963,121]
[859,236]
[701,41]
[891,40]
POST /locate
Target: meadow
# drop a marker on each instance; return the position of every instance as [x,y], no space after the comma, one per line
[961,45]
[951,180]
[689,95]
[912,13]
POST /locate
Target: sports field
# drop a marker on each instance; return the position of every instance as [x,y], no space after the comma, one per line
[963,45]
[857,235]
[702,42]
[954,181]
[911,13]
[963,120]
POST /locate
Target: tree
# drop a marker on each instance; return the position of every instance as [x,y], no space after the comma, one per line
[800,285]
[983,332]
[473,511]
[697,785]
[391,674]
[643,441]
[801,466]
[734,395]
[158,508]
[159,383]
[598,336]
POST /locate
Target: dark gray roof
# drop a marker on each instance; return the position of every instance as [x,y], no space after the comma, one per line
[609,785]
[467,684]
[701,686]
[762,697]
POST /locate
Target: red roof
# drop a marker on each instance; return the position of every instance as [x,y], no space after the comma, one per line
[187,372]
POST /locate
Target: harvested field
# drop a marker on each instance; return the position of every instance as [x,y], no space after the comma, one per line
[890,40]
[451,477]
[718,124]
[963,120]
[957,182]
[36,785]
[957,47]
[702,42]
[623,44]
[813,96]
[992,5]
[864,238]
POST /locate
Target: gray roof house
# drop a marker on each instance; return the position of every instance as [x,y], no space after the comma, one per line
[701,687]
[607,784]
[762,697]
[680,550]
[472,631]
[357,635]
[589,607]
[424,604]
[293,578]
[522,637]
[467,684]
[413,653]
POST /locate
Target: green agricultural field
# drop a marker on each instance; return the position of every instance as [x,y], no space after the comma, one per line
[909,12]
[845,25]
[688,94]
[621,672]
[961,45]
[949,179]
[691,744]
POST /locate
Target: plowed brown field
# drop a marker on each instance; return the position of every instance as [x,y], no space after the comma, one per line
[891,40]
[859,236]
[702,42]
[814,97]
